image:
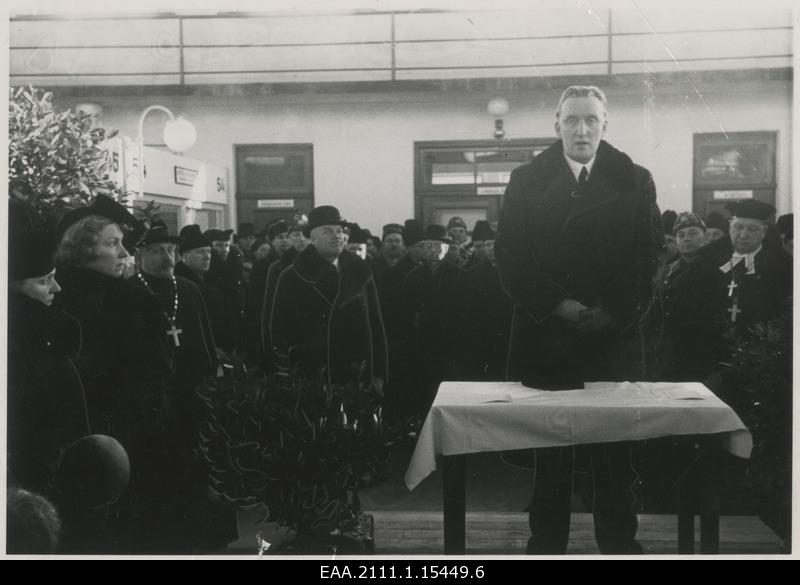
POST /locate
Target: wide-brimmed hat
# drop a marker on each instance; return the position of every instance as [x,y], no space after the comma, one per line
[215,235]
[437,233]
[323,215]
[31,252]
[751,209]
[102,206]
[191,237]
[483,231]
[158,233]
[358,235]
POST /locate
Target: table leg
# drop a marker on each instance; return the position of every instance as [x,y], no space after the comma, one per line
[454,493]
[709,533]
[685,533]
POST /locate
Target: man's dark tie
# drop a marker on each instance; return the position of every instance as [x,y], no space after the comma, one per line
[583,177]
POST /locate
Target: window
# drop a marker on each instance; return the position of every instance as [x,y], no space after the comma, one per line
[467,179]
[274,169]
[273,181]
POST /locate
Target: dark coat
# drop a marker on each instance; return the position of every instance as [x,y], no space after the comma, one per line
[212,297]
[124,360]
[599,248]
[195,357]
[46,405]
[205,522]
[268,294]
[239,331]
[486,326]
[761,296]
[434,306]
[258,281]
[126,368]
[398,319]
[685,323]
[324,318]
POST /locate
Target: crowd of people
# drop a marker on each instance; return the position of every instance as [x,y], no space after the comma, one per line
[114,323]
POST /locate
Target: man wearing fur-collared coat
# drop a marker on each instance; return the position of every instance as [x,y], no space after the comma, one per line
[325,313]
[577,251]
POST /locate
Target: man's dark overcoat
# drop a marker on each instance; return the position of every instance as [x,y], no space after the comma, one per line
[597,245]
[324,317]
[434,304]
[239,331]
[267,295]
[684,326]
[486,326]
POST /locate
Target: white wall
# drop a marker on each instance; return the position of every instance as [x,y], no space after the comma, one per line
[364,143]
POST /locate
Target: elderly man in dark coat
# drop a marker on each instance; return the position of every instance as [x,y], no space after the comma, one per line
[186,324]
[757,273]
[208,523]
[579,237]
[326,314]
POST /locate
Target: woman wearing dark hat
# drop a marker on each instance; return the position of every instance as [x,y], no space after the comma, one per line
[124,361]
[46,405]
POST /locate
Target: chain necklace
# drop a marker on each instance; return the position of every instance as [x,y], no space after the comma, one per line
[173,330]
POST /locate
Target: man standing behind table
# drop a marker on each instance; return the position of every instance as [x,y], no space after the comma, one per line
[579,237]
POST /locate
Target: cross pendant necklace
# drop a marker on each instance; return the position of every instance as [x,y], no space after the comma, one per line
[734,310]
[173,330]
[732,286]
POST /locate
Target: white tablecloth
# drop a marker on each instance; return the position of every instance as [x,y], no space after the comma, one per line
[471,417]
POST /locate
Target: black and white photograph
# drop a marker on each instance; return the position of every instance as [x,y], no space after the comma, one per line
[401,289]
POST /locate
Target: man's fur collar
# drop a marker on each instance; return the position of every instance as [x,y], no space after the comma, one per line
[616,166]
[312,267]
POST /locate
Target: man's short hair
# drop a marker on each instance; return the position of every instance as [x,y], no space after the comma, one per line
[78,243]
[582,91]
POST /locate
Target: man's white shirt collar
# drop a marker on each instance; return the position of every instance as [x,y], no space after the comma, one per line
[749,262]
[576,166]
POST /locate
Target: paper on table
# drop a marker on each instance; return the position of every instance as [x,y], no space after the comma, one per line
[678,393]
[662,390]
[485,398]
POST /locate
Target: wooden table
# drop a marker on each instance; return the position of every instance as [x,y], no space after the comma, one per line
[474,417]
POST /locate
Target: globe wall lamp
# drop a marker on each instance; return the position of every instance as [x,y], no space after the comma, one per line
[179,136]
[498,107]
